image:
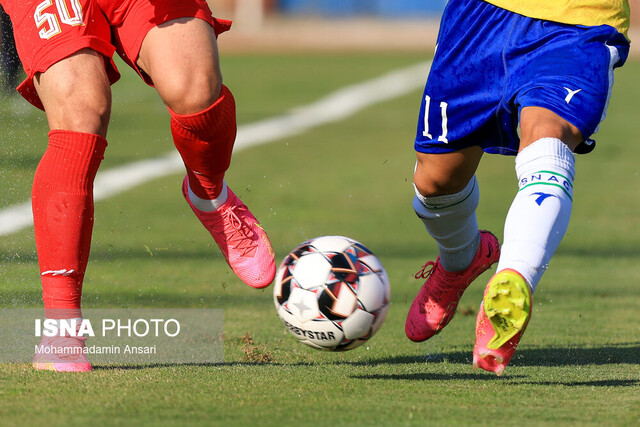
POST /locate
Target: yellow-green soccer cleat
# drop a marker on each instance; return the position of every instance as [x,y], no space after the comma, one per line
[503,316]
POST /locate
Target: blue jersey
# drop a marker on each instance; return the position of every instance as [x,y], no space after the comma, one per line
[490,63]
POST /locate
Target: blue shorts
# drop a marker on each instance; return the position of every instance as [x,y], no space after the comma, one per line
[490,63]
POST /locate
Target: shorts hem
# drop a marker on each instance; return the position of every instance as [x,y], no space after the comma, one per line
[62,51]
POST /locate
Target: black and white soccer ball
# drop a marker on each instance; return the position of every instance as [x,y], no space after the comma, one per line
[332,293]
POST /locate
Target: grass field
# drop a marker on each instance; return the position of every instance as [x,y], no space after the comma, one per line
[578,364]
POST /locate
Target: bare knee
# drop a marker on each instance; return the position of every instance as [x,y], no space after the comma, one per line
[447,173]
[431,186]
[81,110]
[191,93]
[181,56]
[76,94]
[438,183]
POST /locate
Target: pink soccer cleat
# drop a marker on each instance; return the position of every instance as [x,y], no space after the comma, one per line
[61,354]
[504,315]
[436,302]
[243,242]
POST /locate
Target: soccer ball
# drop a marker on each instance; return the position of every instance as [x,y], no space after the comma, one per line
[332,293]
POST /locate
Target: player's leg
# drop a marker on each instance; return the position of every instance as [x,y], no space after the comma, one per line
[181,57]
[68,68]
[456,125]
[202,110]
[76,96]
[539,215]
[536,223]
[446,198]
[555,119]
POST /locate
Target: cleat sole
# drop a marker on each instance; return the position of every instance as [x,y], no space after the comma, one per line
[507,305]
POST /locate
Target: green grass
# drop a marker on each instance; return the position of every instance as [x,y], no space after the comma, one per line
[579,362]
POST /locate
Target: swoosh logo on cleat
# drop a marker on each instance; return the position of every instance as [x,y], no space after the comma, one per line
[265,239]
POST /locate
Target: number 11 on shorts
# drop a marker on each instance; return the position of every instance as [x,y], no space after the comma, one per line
[443,115]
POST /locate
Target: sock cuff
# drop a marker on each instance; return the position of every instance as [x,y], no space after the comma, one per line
[208,205]
[220,114]
[447,200]
[78,142]
[76,156]
[546,154]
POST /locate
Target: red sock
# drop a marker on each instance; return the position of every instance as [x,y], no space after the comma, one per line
[205,142]
[62,201]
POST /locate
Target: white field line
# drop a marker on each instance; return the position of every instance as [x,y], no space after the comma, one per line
[334,107]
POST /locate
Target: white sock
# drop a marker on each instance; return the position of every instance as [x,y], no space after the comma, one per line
[451,221]
[539,215]
[206,205]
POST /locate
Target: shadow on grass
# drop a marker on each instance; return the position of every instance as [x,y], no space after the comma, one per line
[481,375]
[422,376]
[430,376]
[627,353]
[599,383]
[427,376]
[623,353]
[129,367]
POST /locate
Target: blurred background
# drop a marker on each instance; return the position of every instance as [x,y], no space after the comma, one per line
[295,25]
[257,9]
[290,25]
[309,25]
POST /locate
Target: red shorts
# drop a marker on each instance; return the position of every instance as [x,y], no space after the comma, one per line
[47,31]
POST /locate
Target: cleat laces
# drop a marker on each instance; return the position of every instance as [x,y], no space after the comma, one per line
[437,286]
[423,273]
[237,232]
